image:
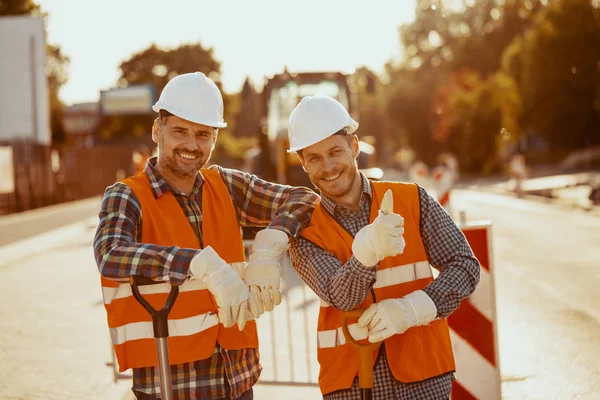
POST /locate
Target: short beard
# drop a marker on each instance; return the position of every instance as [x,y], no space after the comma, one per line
[345,192]
[170,164]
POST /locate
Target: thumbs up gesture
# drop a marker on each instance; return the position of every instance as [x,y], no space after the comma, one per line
[382,238]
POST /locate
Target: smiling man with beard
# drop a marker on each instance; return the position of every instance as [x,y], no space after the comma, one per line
[177,222]
[371,245]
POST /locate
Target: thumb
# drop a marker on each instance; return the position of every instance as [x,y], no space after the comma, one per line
[387,204]
[276,296]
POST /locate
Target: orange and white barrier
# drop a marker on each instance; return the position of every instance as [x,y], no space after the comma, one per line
[473,327]
[419,173]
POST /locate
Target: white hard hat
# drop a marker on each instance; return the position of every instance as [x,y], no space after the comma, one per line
[316,118]
[194,98]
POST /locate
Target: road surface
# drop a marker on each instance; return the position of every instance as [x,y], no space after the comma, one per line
[547,263]
[54,342]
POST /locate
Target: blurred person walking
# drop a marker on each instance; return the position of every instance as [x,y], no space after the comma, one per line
[177,222]
[353,255]
[518,171]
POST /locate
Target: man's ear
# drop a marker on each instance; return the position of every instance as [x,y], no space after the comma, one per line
[215,136]
[355,146]
[155,131]
[299,155]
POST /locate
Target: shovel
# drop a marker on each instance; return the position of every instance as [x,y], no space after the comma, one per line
[161,330]
[365,355]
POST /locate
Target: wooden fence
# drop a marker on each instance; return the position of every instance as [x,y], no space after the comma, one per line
[44,175]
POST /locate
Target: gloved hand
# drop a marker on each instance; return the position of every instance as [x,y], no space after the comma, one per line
[263,275]
[394,316]
[230,292]
[382,238]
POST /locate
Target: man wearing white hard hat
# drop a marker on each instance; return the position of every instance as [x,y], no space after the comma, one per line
[178,222]
[371,245]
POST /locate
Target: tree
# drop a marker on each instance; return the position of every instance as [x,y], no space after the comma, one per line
[441,41]
[370,115]
[476,118]
[474,36]
[247,119]
[408,100]
[57,73]
[555,65]
[57,65]
[158,66]
[19,7]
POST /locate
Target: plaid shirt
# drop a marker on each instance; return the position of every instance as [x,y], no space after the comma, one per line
[119,253]
[346,286]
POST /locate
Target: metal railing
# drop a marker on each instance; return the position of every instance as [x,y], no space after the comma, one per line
[287,335]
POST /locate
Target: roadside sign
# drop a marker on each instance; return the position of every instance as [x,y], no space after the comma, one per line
[473,327]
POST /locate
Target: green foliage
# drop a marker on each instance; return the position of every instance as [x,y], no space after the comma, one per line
[474,36]
[370,111]
[19,7]
[157,66]
[557,67]
[57,74]
[248,113]
[408,109]
[477,118]
[424,105]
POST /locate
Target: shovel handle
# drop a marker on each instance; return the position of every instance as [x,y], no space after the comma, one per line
[159,317]
[365,350]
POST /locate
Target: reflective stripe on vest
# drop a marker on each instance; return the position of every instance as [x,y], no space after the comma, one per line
[399,274]
[335,337]
[385,277]
[124,290]
[177,327]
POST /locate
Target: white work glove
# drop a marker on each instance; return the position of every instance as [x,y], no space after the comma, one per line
[382,238]
[225,284]
[263,275]
[394,316]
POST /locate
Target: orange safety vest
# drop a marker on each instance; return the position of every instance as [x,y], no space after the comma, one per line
[421,352]
[194,327]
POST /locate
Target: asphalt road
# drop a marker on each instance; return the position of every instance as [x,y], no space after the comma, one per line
[547,270]
[54,340]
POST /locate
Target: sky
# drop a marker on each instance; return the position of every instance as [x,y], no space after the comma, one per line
[250,38]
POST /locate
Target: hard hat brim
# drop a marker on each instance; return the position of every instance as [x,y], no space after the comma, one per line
[181,115]
[350,128]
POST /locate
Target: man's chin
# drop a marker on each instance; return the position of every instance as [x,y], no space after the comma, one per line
[185,172]
[334,192]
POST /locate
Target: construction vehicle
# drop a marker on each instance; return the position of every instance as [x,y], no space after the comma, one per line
[280,95]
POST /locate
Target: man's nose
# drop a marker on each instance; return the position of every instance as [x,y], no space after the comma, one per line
[328,163]
[191,143]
